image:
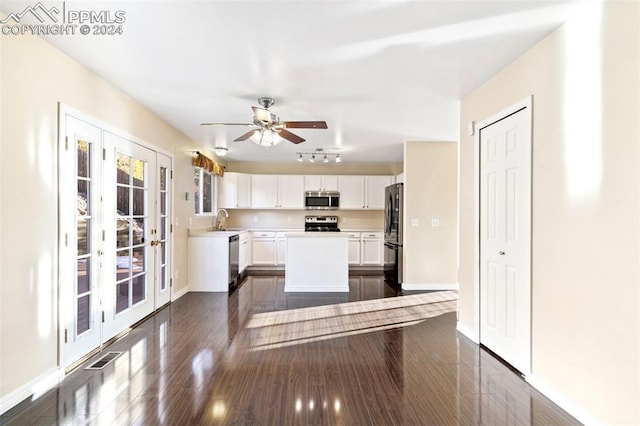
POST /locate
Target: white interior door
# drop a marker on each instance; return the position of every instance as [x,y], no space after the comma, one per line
[505,238]
[81,242]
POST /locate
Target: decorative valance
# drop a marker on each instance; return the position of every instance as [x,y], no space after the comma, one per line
[207,163]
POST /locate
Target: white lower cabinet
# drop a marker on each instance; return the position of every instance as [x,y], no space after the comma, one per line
[354,248]
[372,248]
[264,248]
[244,255]
[281,242]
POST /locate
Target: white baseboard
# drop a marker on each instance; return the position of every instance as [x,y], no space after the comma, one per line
[35,387]
[467,332]
[562,401]
[430,286]
[178,294]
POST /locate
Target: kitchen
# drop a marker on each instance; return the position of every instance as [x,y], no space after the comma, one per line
[300,203]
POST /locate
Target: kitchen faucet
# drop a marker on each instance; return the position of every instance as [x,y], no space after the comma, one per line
[217,223]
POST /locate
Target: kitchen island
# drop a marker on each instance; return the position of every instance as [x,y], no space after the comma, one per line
[317,262]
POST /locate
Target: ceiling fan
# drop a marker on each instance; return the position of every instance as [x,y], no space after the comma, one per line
[268,130]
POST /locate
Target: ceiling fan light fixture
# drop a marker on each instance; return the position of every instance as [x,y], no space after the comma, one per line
[266,137]
[220,151]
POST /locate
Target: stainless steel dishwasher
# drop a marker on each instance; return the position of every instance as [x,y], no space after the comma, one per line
[234,261]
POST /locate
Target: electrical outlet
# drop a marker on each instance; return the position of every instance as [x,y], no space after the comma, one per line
[415,222]
[435,223]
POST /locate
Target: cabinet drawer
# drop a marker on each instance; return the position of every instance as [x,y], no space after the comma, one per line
[354,235]
[372,235]
[264,234]
[280,234]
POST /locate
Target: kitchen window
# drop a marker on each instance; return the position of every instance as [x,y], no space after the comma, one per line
[204,191]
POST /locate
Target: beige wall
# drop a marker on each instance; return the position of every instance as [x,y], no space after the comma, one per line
[294,219]
[305,168]
[431,253]
[585,82]
[34,78]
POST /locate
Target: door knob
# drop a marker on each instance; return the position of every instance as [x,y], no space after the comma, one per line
[501,253]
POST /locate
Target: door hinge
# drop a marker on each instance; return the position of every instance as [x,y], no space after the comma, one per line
[171,228]
[65,335]
[103,235]
[66,239]
[170,282]
[102,316]
[171,174]
[104,153]
[66,142]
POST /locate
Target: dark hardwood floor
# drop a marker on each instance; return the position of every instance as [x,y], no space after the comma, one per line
[199,361]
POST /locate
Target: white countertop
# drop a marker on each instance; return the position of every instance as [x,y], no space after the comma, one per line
[316,234]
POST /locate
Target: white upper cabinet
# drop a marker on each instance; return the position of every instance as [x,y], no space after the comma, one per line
[363,192]
[321,183]
[290,192]
[277,191]
[375,185]
[234,191]
[264,191]
[351,192]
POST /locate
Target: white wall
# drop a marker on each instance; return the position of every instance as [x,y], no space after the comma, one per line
[34,78]
[585,82]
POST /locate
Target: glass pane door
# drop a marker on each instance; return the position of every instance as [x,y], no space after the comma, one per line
[163,232]
[131,218]
[80,265]
[130,197]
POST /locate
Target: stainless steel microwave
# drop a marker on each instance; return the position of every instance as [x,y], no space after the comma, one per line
[322,200]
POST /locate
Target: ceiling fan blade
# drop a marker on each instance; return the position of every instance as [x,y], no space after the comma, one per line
[246,136]
[305,124]
[227,124]
[290,136]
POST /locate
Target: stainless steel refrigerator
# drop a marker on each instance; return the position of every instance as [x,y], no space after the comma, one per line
[393,195]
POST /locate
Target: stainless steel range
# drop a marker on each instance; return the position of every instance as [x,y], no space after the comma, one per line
[321,224]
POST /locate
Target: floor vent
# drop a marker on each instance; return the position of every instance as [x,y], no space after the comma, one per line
[104,361]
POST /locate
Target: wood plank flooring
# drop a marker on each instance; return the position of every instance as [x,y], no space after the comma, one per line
[209,358]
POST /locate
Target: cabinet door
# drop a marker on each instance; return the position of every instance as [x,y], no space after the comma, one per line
[264,251]
[282,251]
[354,252]
[264,191]
[227,191]
[375,191]
[313,183]
[372,252]
[291,191]
[352,192]
[330,183]
[243,257]
[243,190]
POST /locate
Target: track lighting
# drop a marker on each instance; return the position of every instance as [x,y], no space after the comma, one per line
[326,156]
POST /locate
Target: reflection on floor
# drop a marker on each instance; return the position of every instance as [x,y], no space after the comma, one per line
[195,362]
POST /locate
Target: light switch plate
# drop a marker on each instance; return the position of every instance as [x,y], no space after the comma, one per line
[415,222]
[435,223]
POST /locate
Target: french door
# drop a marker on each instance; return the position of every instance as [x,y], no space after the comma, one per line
[115,200]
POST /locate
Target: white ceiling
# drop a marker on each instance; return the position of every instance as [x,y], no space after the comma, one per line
[378,72]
